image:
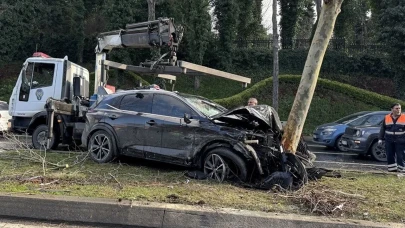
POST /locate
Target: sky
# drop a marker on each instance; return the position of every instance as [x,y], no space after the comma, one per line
[267,12]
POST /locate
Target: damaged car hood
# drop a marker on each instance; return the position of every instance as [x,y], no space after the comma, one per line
[259,116]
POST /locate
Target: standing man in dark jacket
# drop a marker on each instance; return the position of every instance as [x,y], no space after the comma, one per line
[393,131]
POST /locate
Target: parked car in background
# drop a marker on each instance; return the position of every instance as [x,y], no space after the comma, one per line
[330,134]
[363,140]
[4,116]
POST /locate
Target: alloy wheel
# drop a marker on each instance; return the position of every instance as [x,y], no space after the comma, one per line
[340,146]
[100,147]
[378,152]
[215,167]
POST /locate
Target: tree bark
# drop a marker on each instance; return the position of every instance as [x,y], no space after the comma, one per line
[303,98]
[275,56]
[151,9]
[318,4]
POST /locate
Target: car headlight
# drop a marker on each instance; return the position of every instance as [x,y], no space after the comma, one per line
[359,133]
[328,131]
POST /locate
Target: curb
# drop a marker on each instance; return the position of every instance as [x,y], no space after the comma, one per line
[137,214]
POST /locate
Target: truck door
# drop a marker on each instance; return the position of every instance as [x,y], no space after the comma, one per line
[36,84]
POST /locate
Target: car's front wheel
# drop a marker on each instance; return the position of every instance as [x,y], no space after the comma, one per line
[222,164]
[339,145]
[378,152]
[101,147]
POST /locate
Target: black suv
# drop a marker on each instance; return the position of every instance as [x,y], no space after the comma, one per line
[190,131]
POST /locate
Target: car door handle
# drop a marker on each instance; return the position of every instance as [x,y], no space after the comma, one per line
[112,116]
[151,122]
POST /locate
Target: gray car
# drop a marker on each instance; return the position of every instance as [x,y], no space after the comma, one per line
[363,140]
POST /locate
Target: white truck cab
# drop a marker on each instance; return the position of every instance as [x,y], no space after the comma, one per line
[40,78]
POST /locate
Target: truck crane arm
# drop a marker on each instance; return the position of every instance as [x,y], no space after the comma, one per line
[161,33]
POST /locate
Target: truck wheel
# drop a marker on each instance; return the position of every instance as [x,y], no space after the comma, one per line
[101,147]
[39,137]
[378,152]
[222,164]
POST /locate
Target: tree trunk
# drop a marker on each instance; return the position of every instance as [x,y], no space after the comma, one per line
[299,111]
[196,82]
[151,9]
[154,52]
[275,56]
[318,4]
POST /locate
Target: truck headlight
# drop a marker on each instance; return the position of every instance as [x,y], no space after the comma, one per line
[328,131]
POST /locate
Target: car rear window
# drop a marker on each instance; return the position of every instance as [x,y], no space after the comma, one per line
[3,106]
[108,102]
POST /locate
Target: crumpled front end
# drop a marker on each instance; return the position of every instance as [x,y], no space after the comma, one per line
[262,141]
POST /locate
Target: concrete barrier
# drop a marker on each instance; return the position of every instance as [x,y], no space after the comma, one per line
[138,214]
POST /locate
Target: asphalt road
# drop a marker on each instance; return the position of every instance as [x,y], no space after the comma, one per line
[333,159]
[326,158]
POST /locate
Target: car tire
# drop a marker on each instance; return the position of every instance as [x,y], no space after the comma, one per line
[297,170]
[378,152]
[101,147]
[39,137]
[223,164]
[339,146]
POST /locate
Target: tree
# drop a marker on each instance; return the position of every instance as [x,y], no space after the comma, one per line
[392,27]
[306,19]
[288,21]
[352,21]
[275,56]
[305,92]
[226,13]
[194,16]
[318,7]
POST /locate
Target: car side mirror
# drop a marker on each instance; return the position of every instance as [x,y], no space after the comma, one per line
[187,118]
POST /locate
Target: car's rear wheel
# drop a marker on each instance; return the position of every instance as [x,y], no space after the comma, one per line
[222,164]
[378,152]
[339,145]
[101,147]
[40,137]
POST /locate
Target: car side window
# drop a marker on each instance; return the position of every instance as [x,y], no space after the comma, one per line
[374,119]
[359,121]
[169,106]
[139,102]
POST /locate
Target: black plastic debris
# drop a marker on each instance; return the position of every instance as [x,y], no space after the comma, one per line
[282,180]
[199,175]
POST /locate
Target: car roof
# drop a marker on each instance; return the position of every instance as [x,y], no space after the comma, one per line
[379,112]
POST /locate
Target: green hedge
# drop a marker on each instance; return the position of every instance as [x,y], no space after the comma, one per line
[362,95]
[332,100]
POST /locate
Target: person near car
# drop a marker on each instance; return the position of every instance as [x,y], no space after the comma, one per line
[393,132]
[252,101]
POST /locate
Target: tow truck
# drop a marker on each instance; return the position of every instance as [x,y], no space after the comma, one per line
[51,96]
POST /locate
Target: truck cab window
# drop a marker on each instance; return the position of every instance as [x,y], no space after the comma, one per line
[36,75]
[42,75]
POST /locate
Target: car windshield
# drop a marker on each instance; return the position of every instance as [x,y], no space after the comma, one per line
[207,107]
[350,117]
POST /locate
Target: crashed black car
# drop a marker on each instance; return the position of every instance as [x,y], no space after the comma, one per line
[192,131]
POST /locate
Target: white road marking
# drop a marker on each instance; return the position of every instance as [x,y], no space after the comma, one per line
[331,153]
[315,145]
